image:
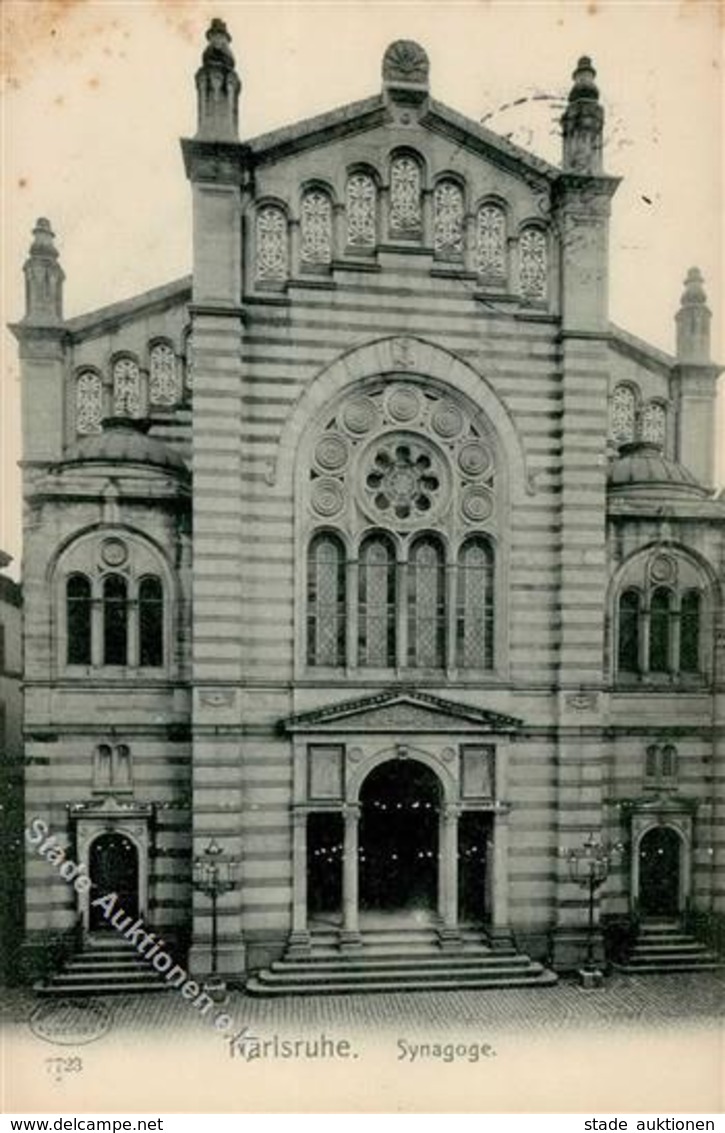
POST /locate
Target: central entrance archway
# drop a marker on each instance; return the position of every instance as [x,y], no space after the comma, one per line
[113,867]
[399,830]
[659,873]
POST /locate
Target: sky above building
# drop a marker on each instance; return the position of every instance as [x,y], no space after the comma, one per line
[96,96]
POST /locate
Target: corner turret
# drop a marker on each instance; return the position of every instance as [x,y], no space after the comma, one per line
[218,87]
[583,122]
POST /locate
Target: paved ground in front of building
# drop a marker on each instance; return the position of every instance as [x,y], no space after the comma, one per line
[654,1001]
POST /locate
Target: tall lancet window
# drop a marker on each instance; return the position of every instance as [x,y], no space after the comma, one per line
[164,377]
[115,620]
[376,603]
[448,220]
[491,243]
[126,388]
[89,402]
[426,604]
[623,415]
[272,249]
[326,594]
[533,263]
[361,208]
[405,206]
[475,605]
[316,228]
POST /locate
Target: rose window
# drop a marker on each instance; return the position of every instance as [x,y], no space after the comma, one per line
[401,479]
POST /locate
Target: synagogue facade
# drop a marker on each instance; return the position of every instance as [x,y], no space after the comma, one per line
[372,555]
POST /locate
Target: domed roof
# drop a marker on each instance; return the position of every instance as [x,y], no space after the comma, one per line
[642,467]
[124,441]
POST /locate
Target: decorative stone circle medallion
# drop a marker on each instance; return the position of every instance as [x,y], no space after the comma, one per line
[359,416]
[477,504]
[331,452]
[474,459]
[403,404]
[663,569]
[447,420]
[114,552]
[327,497]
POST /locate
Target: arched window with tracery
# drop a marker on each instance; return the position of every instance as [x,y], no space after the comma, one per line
[533,263]
[426,577]
[448,218]
[660,630]
[127,394]
[89,402]
[164,376]
[654,423]
[628,653]
[79,608]
[115,620]
[377,637]
[151,622]
[361,211]
[406,216]
[623,415]
[690,632]
[491,262]
[272,245]
[316,228]
[475,605]
[326,601]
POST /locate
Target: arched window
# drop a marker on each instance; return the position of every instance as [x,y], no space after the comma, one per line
[151,622]
[376,603]
[668,764]
[316,228]
[405,206]
[89,402]
[79,606]
[272,255]
[115,620]
[164,383]
[623,415]
[491,243]
[426,577]
[326,597]
[474,605]
[533,263]
[654,423]
[660,627]
[628,656]
[652,762]
[126,388]
[361,199]
[448,220]
[690,632]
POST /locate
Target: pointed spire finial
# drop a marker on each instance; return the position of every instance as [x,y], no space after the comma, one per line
[583,122]
[693,321]
[43,278]
[218,87]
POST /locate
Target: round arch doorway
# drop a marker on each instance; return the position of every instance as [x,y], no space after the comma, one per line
[113,868]
[400,804]
[660,873]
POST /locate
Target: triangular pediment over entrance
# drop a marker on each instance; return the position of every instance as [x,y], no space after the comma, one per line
[400,711]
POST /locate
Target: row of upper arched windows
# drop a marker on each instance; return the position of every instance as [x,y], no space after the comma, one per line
[380,612]
[631,419]
[659,632]
[111,622]
[483,242]
[129,390]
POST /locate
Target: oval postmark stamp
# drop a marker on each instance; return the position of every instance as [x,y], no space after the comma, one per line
[70,1022]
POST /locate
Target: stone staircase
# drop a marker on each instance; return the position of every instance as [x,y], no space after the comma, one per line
[662,947]
[106,965]
[397,960]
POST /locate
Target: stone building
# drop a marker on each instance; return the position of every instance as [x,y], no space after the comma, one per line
[374,553]
[11,771]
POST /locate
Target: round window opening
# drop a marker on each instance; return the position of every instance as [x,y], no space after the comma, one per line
[403,479]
